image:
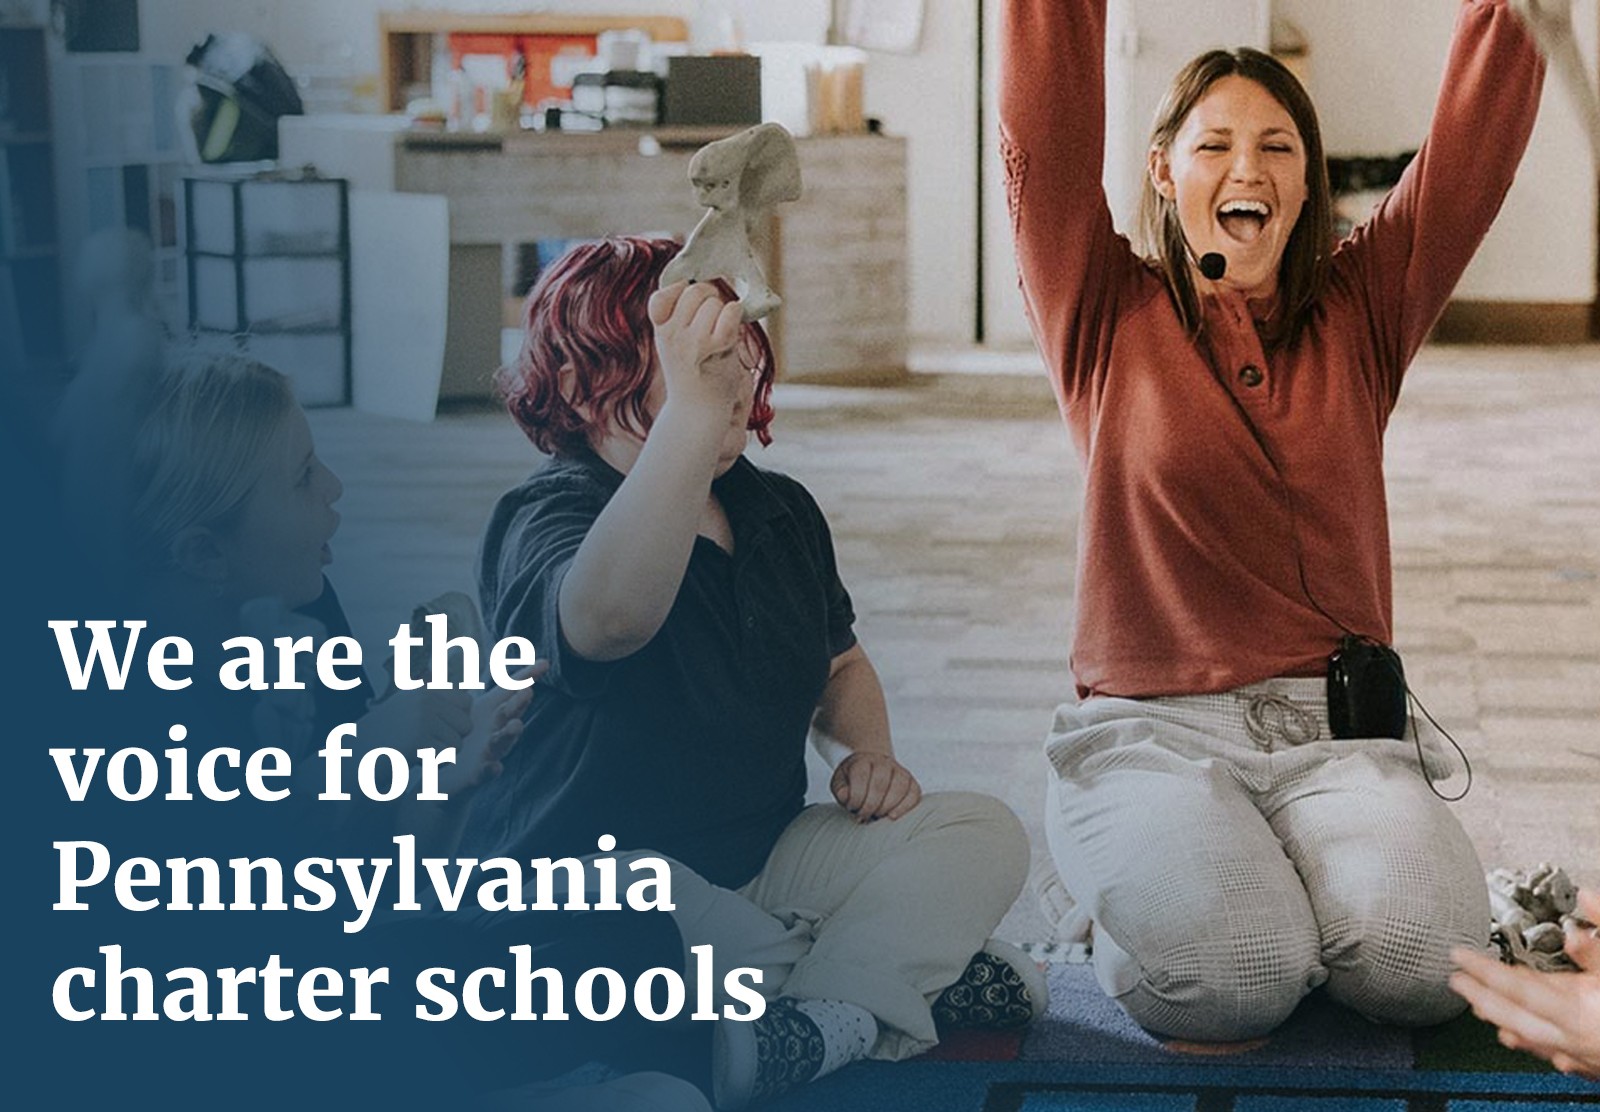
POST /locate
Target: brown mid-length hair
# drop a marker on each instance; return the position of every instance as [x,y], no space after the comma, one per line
[1303,273]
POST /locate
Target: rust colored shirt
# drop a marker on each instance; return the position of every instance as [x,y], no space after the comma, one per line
[1213,554]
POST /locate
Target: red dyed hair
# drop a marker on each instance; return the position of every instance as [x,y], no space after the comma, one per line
[589,311]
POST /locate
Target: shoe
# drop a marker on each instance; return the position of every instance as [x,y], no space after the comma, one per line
[757,1060]
[1000,990]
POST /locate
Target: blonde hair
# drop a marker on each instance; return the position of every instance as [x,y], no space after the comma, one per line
[202,448]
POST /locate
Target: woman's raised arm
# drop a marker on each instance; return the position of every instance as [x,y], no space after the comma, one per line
[1413,250]
[1052,139]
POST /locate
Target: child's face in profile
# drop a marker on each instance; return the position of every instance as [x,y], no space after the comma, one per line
[280,544]
[616,442]
[737,435]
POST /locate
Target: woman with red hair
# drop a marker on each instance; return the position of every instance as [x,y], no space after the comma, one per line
[696,629]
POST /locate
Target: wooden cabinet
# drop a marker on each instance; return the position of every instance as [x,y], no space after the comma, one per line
[837,256]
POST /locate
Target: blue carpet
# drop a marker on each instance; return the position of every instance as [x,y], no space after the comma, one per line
[1084,1025]
[1061,1087]
[1085,1055]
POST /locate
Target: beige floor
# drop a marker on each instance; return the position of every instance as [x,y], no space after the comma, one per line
[954,503]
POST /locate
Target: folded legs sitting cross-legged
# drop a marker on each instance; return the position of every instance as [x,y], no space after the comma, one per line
[697,632]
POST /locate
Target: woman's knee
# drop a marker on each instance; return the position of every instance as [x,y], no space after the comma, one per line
[1401,1001]
[1387,934]
[1399,975]
[1395,967]
[1396,884]
[1210,984]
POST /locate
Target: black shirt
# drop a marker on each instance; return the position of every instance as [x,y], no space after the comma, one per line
[694,746]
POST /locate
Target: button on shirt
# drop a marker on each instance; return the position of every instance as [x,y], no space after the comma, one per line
[694,746]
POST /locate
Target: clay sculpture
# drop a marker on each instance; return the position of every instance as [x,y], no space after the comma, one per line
[739,179]
[1531,910]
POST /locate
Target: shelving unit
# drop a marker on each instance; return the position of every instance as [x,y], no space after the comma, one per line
[30,249]
[406,38]
[120,161]
[268,261]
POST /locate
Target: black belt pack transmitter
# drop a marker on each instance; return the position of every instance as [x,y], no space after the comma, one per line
[1366,690]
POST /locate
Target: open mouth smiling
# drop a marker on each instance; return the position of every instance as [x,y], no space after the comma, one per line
[1244,221]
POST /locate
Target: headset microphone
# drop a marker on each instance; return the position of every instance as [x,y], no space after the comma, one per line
[1212,265]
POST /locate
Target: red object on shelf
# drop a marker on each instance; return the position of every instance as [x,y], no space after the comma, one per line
[539,50]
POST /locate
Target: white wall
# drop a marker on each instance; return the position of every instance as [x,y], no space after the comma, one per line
[930,97]
[1374,70]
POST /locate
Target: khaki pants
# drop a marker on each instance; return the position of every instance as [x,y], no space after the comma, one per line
[884,915]
[1233,856]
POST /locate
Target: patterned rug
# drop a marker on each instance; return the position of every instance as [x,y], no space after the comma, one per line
[1085,1055]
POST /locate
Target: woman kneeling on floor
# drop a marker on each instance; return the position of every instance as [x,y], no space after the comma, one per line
[1237,837]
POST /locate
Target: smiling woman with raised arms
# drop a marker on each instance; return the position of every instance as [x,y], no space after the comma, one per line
[1237,836]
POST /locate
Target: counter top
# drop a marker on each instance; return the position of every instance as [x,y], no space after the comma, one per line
[610,140]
